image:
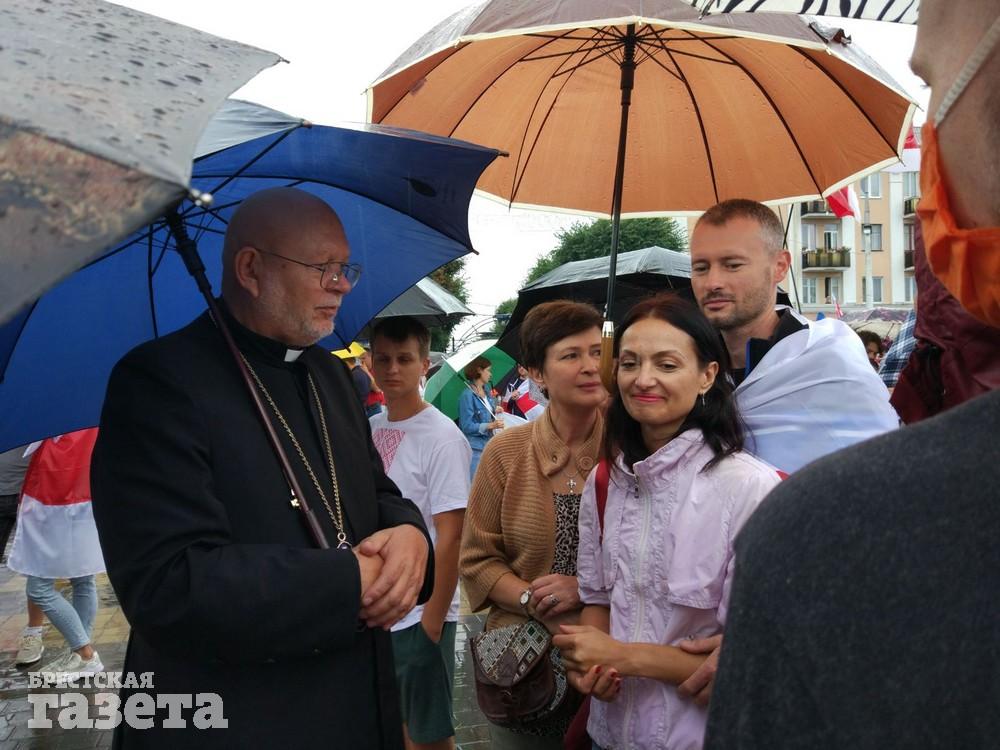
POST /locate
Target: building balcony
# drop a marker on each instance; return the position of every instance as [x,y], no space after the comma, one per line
[910,207]
[815,208]
[908,259]
[823,259]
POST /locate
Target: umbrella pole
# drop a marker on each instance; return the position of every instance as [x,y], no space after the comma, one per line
[627,82]
[791,268]
[189,252]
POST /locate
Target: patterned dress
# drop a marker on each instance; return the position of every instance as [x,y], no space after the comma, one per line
[567,509]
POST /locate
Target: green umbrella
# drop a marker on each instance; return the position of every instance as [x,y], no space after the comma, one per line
[448,383]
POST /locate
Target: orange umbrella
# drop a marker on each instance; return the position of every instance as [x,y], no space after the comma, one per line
[635,108]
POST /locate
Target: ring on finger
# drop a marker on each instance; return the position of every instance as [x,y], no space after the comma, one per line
[553,599]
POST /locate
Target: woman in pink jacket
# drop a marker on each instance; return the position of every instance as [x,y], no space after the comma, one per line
[658,567]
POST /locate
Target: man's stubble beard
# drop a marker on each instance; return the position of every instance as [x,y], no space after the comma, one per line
[305,331]
[756,302]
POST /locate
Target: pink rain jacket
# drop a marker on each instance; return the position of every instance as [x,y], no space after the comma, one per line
[665,569]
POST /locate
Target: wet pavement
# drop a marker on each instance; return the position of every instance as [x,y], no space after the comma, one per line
[109,637]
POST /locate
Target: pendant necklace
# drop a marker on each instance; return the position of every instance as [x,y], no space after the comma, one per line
[571,478]
[338,517]
[571,481]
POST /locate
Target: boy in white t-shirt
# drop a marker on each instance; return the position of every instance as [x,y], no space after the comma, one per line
[428,457]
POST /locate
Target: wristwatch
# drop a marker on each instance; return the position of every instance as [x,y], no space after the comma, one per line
[524,599]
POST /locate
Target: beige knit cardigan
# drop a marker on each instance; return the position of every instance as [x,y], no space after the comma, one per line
[510,522]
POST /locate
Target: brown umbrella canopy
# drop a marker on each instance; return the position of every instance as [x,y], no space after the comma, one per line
[757,106]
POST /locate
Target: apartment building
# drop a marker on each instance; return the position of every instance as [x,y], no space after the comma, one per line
[828,261]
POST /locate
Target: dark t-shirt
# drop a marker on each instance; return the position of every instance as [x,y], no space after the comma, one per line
[865,610]
[362,383]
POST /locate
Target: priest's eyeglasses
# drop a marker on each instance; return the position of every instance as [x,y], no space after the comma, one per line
[330,273]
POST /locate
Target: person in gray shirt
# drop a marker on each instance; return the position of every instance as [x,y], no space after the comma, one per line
[13,465]
[864,605]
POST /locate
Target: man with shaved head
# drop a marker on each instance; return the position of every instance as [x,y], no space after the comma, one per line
[864,608]
[226,593]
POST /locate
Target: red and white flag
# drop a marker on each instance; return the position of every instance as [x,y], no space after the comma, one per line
[530,408]
[56,536]
[836,308]
[844,202]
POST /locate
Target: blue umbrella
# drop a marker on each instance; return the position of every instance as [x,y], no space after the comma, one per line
[403,198]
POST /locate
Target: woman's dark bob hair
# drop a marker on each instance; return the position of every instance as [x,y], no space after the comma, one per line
[717,418]
[549,322]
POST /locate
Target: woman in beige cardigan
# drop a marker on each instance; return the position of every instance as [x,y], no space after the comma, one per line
[520,536]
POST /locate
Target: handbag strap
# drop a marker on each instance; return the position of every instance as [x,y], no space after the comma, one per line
[601,480]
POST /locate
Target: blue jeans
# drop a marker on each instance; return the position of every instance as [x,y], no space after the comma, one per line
[73,621]
[477,453]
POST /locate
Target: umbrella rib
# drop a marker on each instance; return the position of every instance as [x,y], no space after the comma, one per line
[215,208]
[267,149]
[656,35]
[150,272]
[692,54]
[849,95]
[584,63]
[229,178]
[124,246]
[519,173]
[609,46]
[701,122]
[296,181]
[665,68]
[774,108]
[484,89]
[558,38]
[402,96]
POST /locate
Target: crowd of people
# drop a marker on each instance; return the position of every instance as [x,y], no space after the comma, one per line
[736,545]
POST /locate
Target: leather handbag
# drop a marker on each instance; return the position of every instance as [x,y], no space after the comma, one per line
[519,674]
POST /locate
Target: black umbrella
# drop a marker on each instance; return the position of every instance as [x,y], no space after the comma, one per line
[100,110]
[428,302]
[639,274]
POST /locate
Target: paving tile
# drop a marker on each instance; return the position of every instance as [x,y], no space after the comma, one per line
[110,636]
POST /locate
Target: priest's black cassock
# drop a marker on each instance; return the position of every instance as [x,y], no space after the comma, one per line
[218,577]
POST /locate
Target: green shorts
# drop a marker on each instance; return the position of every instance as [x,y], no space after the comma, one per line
[425,671]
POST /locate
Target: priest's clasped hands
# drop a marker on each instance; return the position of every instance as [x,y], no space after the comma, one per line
[392,562]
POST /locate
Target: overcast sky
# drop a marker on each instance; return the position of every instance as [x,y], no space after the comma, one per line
[336,49]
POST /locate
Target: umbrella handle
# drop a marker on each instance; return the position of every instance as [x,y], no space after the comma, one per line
[607,355]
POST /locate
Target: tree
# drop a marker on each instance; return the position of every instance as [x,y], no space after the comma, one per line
[504,308]
[451,276]
[593,240]
[583,240]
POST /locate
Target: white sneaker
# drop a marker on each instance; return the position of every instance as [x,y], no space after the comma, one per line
[89,666]
[29,650]
[69,667]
